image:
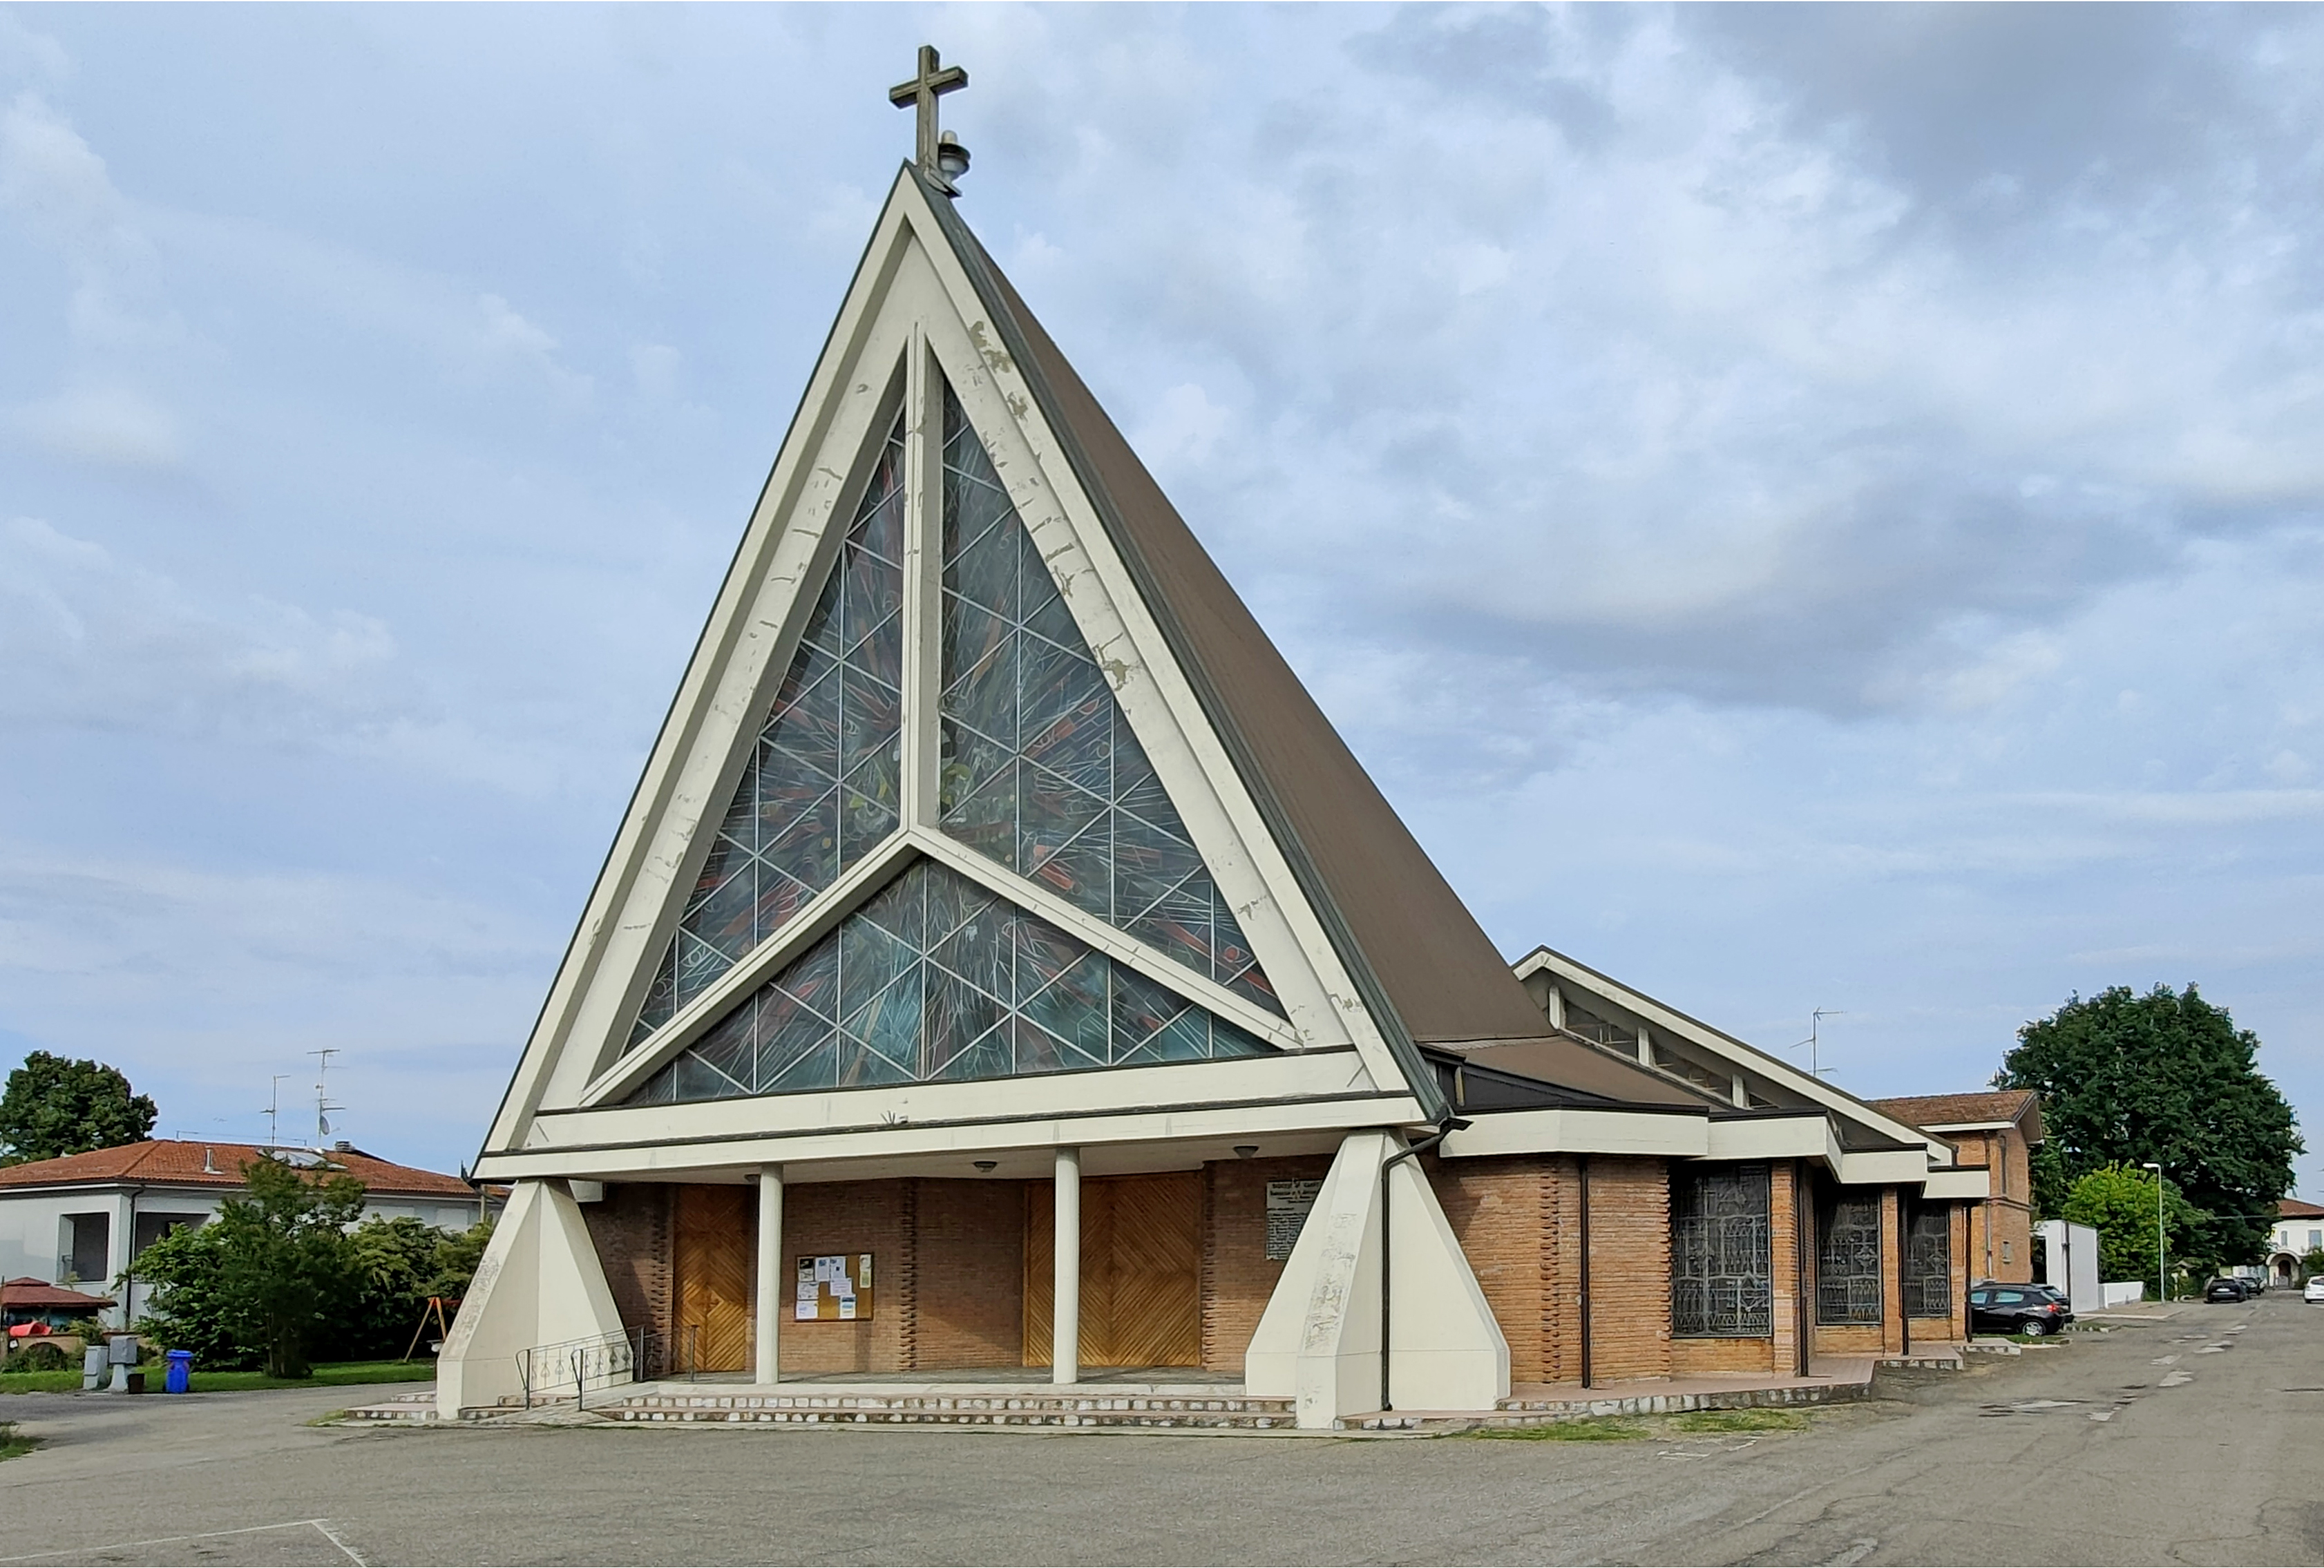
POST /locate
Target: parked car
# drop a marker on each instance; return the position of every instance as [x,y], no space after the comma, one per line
[2224,1289]
[2026,1309]
[2315,1291]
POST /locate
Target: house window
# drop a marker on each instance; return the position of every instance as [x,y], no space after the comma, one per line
[1722,1268]
[1929,1264]
[1848,1260]
[2315,1239]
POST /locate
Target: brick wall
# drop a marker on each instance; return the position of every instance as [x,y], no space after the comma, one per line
[1629,1268]
[631,1228]
[1238,1277]
[1505,1214]
[968,1298]
[850,1217]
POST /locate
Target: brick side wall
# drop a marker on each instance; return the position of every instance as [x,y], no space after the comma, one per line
[1629,1268]
[1238,1277]
[968,1298]
[1503,1212]
[631,1232]
[1892,1271]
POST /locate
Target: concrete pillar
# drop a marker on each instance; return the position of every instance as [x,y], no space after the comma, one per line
[1065,1318]
[772,1298]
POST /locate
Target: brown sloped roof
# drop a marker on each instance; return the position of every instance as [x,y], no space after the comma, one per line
[31,1292]
[172,1162]
[1932,1112]
[2293,1209]
[1428,971]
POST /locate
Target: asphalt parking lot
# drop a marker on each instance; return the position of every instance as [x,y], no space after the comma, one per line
[2192,1438]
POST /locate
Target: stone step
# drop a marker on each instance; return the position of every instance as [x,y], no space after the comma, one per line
[1223,1411]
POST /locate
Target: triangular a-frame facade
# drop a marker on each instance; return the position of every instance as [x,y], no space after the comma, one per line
[989,841]
[1153,803]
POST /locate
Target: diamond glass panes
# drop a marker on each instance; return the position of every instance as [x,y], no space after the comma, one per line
[936,980]
[820,787]
[1041,772]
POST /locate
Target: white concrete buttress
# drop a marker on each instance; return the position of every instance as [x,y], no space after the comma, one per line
[539,1284]
[1319,1340]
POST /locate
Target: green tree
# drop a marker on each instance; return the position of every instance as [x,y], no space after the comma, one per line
[2050,1183]
[2118,1202]
[2166,1076]
[54,1106]
[400,1263]
[185,1270]
[288,1276]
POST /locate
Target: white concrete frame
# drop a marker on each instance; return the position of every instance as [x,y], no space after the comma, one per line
[911,317]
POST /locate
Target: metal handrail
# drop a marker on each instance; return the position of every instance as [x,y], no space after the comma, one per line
[602,1360]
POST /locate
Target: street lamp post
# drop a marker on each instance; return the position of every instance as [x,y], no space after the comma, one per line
[2161,1274]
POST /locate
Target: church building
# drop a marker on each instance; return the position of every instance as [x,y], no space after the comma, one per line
[1003,963]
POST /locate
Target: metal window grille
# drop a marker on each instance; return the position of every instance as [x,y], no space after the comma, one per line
[1848,1260]
[1722,1278]
[1929,1264]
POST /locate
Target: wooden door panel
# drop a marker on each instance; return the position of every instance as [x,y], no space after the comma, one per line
[1153,1311]
[713,1247]
[1141,1270]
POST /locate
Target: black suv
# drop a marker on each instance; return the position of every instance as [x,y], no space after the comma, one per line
[2016,1309]
[2225,1289]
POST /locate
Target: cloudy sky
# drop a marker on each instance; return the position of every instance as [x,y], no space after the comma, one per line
[1800,508]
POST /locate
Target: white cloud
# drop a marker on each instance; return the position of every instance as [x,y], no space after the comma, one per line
[113,425]
[89,641]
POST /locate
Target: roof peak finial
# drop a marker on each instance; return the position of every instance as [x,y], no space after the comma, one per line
[931,81]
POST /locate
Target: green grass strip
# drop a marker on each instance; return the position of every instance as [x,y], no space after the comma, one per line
[329,1375]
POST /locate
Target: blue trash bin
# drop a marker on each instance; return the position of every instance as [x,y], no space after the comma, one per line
[181,1369]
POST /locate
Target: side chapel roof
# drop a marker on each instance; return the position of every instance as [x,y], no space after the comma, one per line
[1403,932]
[1989,1108]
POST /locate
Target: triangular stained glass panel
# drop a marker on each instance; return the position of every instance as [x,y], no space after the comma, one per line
[820,790]
[935,979]
[1083,812]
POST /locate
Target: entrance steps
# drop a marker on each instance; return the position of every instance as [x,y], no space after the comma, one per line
[1020,1406]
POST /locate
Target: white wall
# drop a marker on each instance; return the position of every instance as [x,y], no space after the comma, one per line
[32,1234]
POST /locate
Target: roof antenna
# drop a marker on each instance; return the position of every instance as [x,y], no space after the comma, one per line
[939,154]
[1814,1041]
[323,1107]
[274,1107]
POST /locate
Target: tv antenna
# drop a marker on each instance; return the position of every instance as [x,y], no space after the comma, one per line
[323,1106]
[273,1109]
[1815,1042]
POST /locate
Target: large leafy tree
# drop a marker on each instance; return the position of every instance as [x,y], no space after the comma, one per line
[2166,1076]
[286,1270]
[53,1106]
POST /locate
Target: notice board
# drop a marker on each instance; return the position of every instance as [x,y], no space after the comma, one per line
[833,1287]
[1287,1204]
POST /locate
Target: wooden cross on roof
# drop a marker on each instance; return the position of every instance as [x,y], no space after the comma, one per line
[933,81]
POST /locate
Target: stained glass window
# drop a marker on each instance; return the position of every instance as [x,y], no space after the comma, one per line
[820,788]
[1929,1263]
[1041,772]
[936,979]
[1847,1258]
[1722,1277]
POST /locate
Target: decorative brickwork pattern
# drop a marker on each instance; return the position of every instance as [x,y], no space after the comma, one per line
[1504,1212]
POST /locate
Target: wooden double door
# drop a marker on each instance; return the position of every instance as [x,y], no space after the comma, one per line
[714,1241]
[1141,1270]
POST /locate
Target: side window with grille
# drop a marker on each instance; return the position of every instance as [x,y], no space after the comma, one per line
[1848,1258]
[1722,1269]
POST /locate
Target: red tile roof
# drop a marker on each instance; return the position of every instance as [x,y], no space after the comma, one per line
[1930,1112]
[31,1293]
[168,1162]
[2293,1209]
